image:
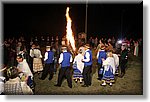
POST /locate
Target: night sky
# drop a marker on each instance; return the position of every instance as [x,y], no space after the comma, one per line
[103,19]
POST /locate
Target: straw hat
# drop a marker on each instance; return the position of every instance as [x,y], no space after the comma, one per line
[64,47]
[87,46]
[102,47]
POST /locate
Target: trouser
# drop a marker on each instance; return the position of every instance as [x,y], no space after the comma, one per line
[65,72]
[87,75]
[48,69]
[99,75]
[30,82]
[123,66]
[31,64]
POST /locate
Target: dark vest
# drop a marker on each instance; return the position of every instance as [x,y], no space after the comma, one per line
[90,62]
[66,59]
[102,54]
[50,57]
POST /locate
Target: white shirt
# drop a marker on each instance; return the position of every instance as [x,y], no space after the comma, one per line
[36,53]
[46,56]
[87,55]
[24,67]
[61,57]
[98,53]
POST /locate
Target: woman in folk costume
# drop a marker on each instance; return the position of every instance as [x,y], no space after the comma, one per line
[15,86]
[24,71]
[109,69]
[101,54]
[136,48]
[78,66]
[37,62]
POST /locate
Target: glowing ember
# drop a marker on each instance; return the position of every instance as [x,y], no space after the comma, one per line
[69,35]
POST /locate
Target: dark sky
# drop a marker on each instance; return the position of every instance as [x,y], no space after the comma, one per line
[103,19]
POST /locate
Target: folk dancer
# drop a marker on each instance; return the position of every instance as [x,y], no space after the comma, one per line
[87,70]
[37,62]
[101,54]
[78,66]
[24,70]
[109,69]
[14,86]
[65,71]
[49,64]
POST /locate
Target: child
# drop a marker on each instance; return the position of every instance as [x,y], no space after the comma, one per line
[101,54]
[78,66]
[49,64]
[65,60]
[109,69]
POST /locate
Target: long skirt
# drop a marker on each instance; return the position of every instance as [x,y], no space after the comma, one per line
[76,72]
[108,75]
[37,65]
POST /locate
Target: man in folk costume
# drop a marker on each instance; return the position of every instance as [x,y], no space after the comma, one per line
[87,66]
[49,64]
[65,71]
[101,54]
[78,66]
[109,69]
[37,62]
[123,60]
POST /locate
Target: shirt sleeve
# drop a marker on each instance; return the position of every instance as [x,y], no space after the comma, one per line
[71,58]
[46,56]
[40,54]
[31,53]
[87,55]
[61,58]
[97,54]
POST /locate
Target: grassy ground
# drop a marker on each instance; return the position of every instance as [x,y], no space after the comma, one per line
[131,83]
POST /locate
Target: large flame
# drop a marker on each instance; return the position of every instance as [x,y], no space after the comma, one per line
[69,35]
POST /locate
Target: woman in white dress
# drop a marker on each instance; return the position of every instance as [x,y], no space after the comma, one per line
[37,61]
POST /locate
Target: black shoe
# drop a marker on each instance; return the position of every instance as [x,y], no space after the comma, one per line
[41,79]
[57,85]
[89,85]
[70,86]
[121,75]
[84,85]
[50,78]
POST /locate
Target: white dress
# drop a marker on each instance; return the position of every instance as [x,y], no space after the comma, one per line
[37,62]
[109,69]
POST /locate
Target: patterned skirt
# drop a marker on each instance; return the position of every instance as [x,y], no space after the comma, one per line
[108,75]
[76,72]
[37,65]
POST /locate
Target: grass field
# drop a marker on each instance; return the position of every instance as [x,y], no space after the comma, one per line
[130,84]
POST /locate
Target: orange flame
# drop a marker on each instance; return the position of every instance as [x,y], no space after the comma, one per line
[69,36]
